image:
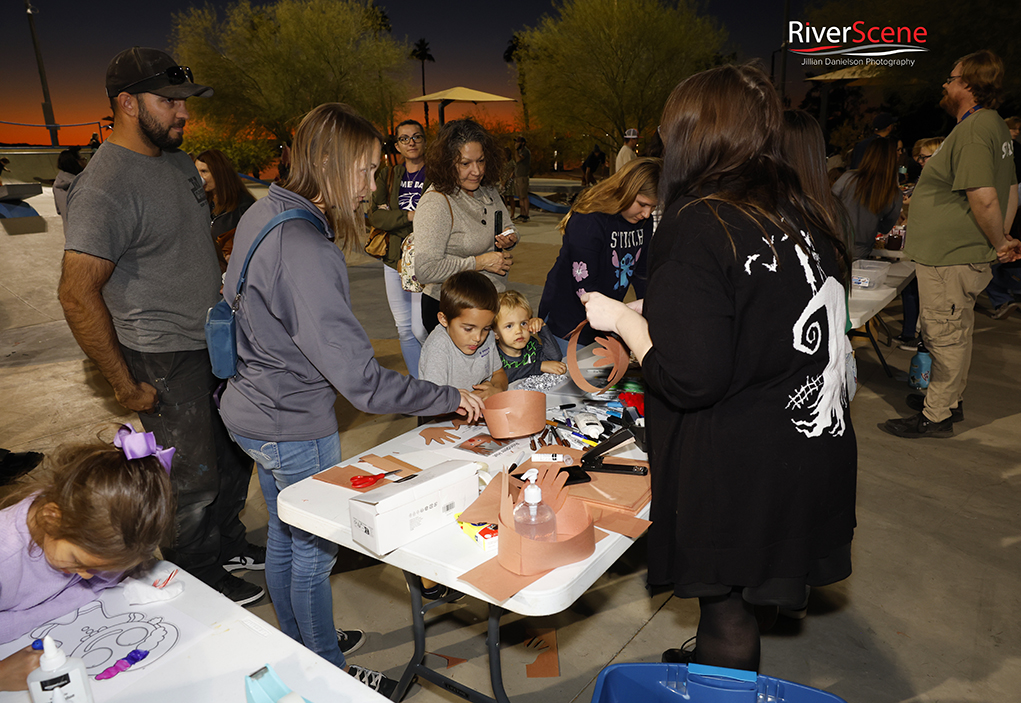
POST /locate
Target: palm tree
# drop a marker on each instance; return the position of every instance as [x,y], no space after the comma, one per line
[512,54]
[421,53]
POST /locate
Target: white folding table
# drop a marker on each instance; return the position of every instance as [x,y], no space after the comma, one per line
[443,555]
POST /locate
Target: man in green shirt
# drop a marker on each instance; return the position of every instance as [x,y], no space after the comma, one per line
[961,212]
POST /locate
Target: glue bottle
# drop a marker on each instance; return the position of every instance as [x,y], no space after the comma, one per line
[57,670]
[534,519]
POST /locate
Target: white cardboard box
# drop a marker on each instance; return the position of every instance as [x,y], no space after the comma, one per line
[389,517]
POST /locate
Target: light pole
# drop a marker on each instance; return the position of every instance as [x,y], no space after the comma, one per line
[47,105]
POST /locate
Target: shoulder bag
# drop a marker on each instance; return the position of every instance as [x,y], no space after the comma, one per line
[406,264]
[377,245]
[221,329]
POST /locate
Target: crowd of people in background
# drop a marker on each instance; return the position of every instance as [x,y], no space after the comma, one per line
[730,226]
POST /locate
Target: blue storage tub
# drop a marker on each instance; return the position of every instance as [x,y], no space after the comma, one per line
[694,683]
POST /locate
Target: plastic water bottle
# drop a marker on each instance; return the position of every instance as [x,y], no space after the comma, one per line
[533,518]
[920,369]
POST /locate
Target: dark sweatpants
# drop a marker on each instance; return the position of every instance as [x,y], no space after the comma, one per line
[210,473]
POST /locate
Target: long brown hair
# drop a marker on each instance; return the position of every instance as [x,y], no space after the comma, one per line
[875,181]
[618,192]
[721,130]
[329,144]
[228,188]
[443,153]
[805,149]
[117,509]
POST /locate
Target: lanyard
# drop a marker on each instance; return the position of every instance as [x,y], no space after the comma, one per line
[969,113]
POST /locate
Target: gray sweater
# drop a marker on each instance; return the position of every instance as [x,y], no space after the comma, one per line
[447,239]
[299,343]
[865,224]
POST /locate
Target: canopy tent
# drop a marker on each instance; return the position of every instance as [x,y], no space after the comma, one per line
[460,94]
[867,74]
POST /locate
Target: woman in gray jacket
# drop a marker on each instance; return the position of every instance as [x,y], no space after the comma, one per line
[299,346]
[455,224]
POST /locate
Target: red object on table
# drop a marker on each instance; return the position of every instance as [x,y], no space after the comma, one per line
[366,481]
[634,400]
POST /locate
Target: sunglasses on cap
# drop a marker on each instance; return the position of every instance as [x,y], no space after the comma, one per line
[175,75]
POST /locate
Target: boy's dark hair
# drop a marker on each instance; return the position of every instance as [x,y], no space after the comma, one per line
[468,289]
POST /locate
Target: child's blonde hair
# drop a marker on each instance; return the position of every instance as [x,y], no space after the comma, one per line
[511,299]
[115,508]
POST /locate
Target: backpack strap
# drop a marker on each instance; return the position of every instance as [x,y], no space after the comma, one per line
[276,221]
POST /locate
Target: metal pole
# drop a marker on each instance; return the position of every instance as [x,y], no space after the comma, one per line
[51,123]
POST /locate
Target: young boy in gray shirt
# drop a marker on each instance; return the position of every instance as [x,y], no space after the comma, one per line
[461,352]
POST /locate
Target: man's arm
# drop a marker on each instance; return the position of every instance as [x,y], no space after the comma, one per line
[82,279]
[985,205]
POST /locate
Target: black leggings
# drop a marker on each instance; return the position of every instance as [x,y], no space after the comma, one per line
[728,632]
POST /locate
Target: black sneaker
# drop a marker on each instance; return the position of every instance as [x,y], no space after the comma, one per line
[239,590]
[906,343]
[252,558]
[684,655]
[14,465]
[440,591]
[350,640]
[1003,310]
[916,401]
[918,426]
[378,682]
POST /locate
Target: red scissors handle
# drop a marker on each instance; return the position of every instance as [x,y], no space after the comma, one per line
[371,480]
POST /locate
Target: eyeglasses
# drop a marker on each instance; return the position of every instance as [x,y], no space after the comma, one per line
[950,79]
[922,158]
[176,75]
[405,139]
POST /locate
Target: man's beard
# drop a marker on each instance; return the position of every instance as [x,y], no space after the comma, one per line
[949,104]
[157,134]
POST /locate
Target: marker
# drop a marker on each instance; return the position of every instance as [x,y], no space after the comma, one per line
[567,406]
[553,458]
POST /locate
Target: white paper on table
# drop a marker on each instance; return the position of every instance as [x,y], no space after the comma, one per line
[107,629]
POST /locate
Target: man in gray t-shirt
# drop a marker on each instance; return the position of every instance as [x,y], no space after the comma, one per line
[139,274]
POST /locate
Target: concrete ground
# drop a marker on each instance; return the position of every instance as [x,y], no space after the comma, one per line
[930,613]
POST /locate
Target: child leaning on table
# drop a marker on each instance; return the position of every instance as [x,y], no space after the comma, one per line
[527,347]
[460,352]
[95,512]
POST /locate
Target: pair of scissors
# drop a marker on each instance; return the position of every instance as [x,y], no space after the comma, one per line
[371,480]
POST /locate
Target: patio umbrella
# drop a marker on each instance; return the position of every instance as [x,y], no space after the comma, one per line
[460,94]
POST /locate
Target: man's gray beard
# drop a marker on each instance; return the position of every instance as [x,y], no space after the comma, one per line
[157,134]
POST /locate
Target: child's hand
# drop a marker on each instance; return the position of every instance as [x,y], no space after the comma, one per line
[14,670]
[485,390]
[535,324]
[557,367]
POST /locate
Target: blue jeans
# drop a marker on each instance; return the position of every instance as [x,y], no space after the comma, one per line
[1006,283]
[407,311]
[298,564]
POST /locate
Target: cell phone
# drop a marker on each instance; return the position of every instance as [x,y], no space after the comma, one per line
[498,225]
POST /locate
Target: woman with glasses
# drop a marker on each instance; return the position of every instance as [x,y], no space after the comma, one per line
[871,196]
[456,223]
[394,203]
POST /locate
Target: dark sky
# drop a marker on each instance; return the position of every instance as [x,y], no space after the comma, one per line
[467,39]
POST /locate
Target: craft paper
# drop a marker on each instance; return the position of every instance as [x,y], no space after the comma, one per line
[515,413]
[440,435]
[609,351]
[620,522]
[547,664]
[342,475]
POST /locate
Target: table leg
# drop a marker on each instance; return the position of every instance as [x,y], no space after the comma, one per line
[417,667]
[875,345]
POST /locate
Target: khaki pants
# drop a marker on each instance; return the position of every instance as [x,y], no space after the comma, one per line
[947,296]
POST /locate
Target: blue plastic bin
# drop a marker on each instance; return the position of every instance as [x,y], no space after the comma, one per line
[694,683]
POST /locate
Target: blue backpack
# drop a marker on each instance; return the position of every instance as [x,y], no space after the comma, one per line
[221,330]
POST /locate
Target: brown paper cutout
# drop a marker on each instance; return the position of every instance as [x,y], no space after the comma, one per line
[575,538]
[619,521]
[390,463]
[459,422]
[440,435]
[517,413]
[609,351]
[547,664]
[451,661]
[486,507]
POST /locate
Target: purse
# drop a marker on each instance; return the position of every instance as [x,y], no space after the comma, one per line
[406,264]
[221,329]
[377,245]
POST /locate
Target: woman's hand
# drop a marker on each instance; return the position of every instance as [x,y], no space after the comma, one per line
[470,406]
[604,313]
[14,670]
[637,305]
[507,239]
[535,324]
[498,262]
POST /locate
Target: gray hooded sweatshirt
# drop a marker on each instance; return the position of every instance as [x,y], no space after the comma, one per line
[299,343]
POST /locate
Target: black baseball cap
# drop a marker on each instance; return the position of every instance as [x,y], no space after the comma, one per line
[144,70]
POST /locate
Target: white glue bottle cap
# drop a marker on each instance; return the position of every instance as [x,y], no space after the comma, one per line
[533,494]
[58,695]
[53,656]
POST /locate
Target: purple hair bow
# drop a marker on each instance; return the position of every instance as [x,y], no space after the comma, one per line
[137,445]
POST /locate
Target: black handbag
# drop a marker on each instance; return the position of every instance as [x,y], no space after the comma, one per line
[221,330]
